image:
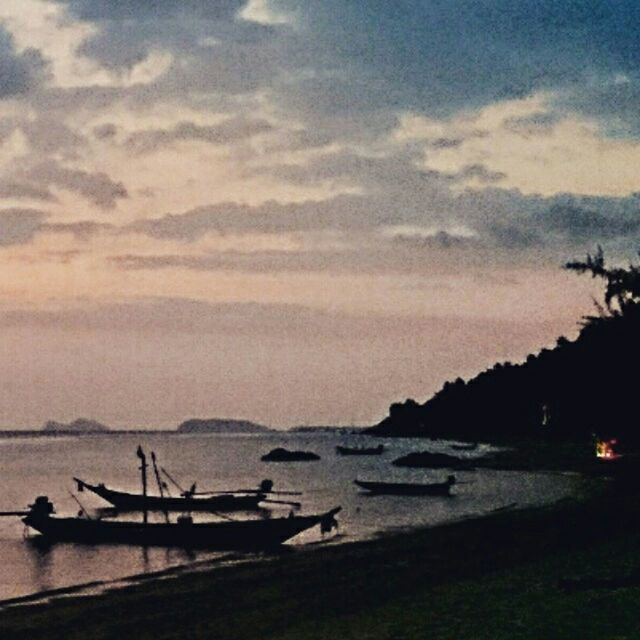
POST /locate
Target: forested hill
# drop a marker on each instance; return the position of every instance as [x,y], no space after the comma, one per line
[572,391]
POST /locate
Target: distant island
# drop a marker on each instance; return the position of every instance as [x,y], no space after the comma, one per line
[220,425]
[580,389]
[79,426]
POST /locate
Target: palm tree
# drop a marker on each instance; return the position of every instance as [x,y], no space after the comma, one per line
[622,288]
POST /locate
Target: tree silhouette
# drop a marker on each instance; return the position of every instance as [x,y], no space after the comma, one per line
[622,290]
[569,392]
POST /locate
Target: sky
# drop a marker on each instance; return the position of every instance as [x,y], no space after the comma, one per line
[299,212]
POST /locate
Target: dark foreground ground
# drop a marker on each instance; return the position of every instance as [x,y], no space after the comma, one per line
[496,577]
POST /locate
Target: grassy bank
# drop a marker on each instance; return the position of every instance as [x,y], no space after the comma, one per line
[495,577]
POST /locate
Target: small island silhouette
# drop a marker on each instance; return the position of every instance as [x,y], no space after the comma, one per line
[221,425]
[80,426]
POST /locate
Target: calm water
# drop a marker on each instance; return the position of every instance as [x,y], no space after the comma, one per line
[36,466]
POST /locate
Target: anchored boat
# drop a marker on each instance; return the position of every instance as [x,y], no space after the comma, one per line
[471,446]
[224,535]
[124,501]
[187,500]
[408,489]
[360,451]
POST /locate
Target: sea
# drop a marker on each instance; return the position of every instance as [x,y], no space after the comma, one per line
[45,465]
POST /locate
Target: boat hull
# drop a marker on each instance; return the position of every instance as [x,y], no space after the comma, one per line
[465,447]
[136,502]
[405,489]
[227,535]
[347,451]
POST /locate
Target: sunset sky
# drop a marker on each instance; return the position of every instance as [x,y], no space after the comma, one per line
[300,211]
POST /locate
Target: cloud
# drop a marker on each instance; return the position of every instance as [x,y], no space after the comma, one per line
[518,237]
[184,315]
[299,140]
[19,226]
[10,189]
[126,34]
[480,173]
[130,10]
[258,320]
[401,258]
[539,123]
[328,83]
[262,12]
[342,212]
[438,240]
[48,256]
[230,130]
[446,143]
[49,136]
[538,149]
[394,191]
[339,72]
[82,230]
[613,98]
[98,187]
[464,54]
[105,131]
[19,72]
[588,222]
[351,66]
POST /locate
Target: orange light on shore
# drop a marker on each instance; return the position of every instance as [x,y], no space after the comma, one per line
[605,449]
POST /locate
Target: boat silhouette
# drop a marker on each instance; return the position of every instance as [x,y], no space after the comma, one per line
[360,451]
[408,489]
[224,535]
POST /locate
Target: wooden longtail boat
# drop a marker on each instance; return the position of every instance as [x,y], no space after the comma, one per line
[124,501]
[408,489]
[359,451]
[188,500]
[223,535]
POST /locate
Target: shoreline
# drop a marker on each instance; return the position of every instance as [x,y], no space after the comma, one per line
[84,589]
[100,587]
[390,586]
[304,592]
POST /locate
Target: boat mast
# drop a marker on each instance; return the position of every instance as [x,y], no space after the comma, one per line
[143,470]
[157,474]
[158,480]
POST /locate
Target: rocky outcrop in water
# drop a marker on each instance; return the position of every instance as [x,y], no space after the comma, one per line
[283,455]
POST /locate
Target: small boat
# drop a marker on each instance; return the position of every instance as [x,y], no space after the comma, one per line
[124,501]
[408,489]
[472,446]
[223,535]
[359,451]
[187,500]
